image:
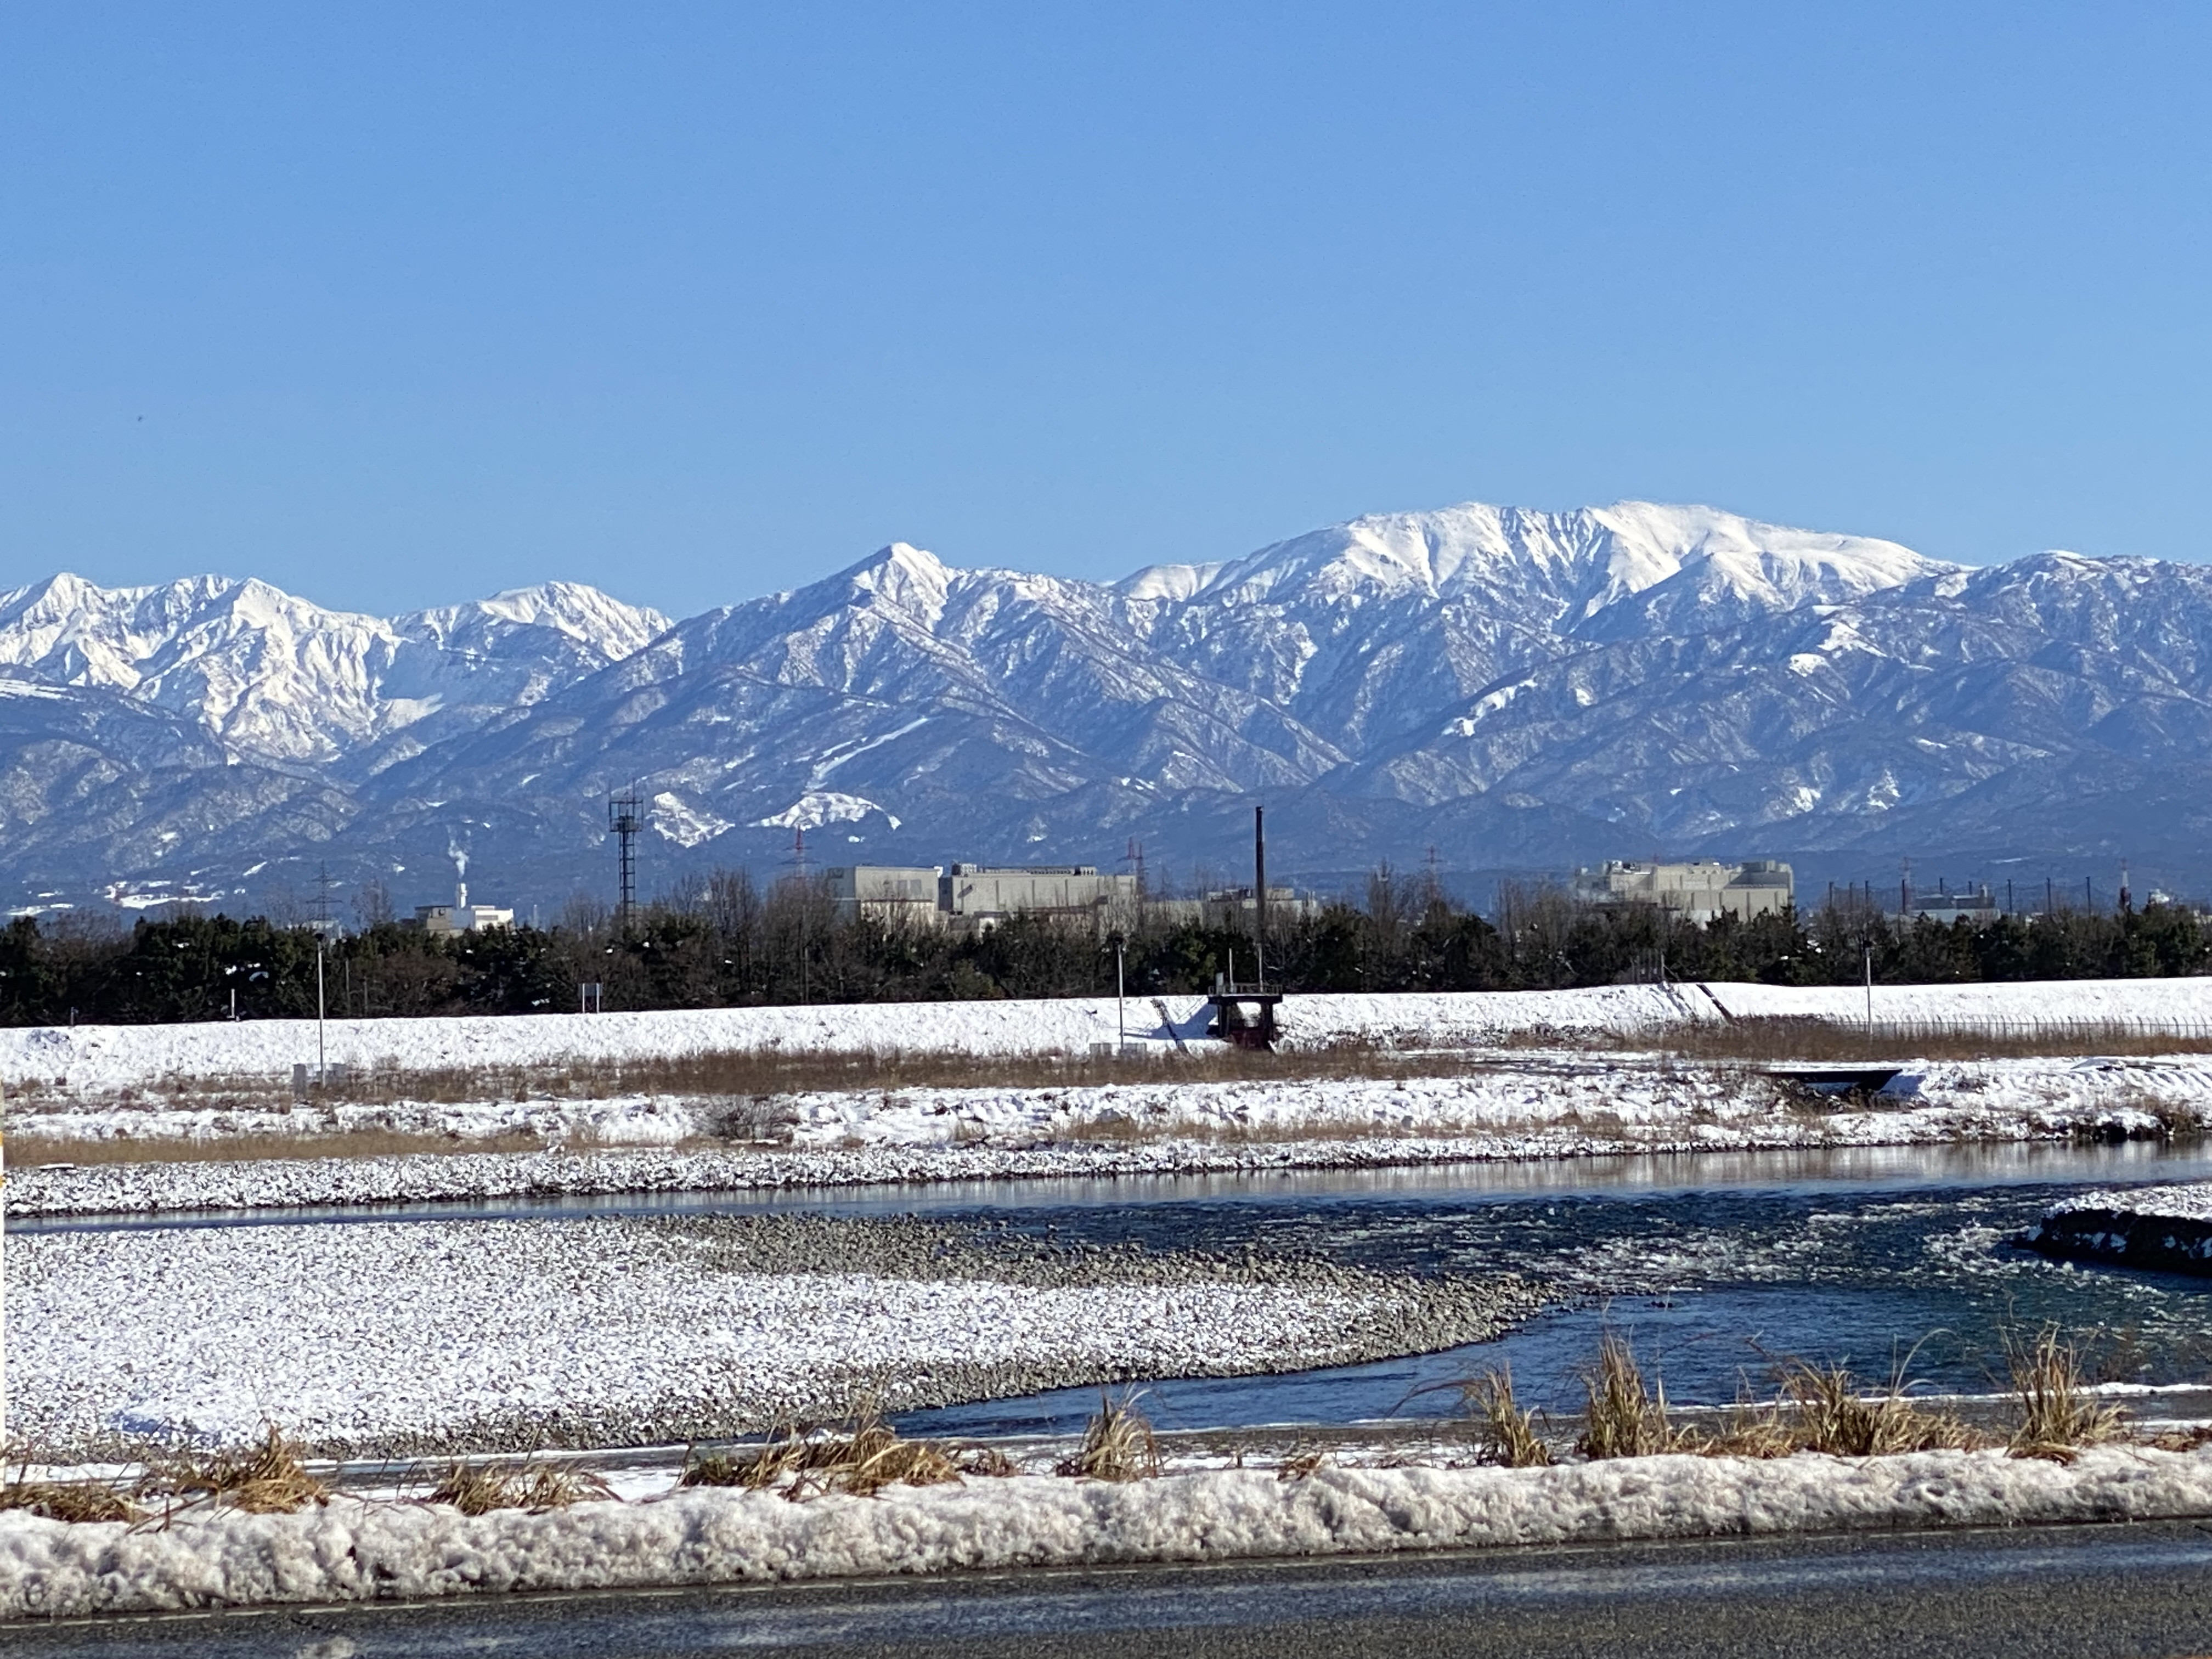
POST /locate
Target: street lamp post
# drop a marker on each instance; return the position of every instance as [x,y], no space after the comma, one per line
[1120,1004]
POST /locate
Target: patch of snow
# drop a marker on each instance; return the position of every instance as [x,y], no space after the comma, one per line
[357,1550]
[819,806]
[687,825]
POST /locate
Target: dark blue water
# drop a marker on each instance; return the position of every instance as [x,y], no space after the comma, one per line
[1713,1284]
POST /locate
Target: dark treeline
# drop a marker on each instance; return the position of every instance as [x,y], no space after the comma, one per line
[725,942]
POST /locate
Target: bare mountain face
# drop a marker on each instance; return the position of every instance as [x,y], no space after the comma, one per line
[1512,688]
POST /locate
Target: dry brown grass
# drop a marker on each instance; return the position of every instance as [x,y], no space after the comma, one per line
[2057,1415]
[478,1490]
[1505,1431]
[31,1150]
[1623,1418]
[988,1462]
[1770,1040]
[266,1478]
[748,1080]
[1826,1409]
[1118,1444]
[863,1460]
[69,1500]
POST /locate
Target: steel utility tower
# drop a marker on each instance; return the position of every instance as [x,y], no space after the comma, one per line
[624,814]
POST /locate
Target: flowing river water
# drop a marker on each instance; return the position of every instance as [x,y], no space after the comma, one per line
[1715,1265]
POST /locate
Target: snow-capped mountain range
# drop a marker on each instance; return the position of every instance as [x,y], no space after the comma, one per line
[1515,689]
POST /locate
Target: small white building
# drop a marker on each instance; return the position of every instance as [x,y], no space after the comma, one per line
[1701,890]
[461,916]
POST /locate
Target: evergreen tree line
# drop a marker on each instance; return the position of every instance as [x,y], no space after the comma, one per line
[724,942]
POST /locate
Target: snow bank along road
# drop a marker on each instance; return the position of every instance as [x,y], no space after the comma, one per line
[464,1336]
[353,1550]
[87,1061]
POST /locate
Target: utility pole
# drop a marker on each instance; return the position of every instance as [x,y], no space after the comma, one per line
[805,908]
[322,930]
[1120,1000]
[1260,894]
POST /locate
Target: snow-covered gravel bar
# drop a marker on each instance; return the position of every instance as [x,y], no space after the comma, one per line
[356,1551]
[398,1340]
[2162,1228]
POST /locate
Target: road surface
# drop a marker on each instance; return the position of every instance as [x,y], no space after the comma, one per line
[2079,1592]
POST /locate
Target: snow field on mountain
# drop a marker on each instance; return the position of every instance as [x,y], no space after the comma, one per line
[55,1064]
[356,1550]
[472,1335]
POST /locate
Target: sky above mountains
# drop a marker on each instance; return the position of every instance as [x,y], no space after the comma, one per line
[400,305]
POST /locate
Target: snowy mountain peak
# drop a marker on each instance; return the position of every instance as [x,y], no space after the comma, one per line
[594,619]
[905,578]
[1170,582]
[1513,685]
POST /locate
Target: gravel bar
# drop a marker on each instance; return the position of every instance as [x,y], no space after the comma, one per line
[457,1336]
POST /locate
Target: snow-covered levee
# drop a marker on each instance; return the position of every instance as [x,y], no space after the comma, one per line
[89,1061]
[353,1550]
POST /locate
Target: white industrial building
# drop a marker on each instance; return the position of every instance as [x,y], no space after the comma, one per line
[980,896]
[887,892]
[1701,891]
[461,916]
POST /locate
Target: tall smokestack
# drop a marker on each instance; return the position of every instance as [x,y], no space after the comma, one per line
[460,895]
[2127,899]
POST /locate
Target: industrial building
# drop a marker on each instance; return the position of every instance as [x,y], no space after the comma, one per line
[1701,891]
[1232,907]
[978,896]
[887,892]
[461,916]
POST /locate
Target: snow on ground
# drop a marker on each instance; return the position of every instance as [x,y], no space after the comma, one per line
[92,1061]
[1557,1098]
[2183,1006]
[470,1334]
[357,1551]
[2184,1201]
[1559,1106]
[2162,1229]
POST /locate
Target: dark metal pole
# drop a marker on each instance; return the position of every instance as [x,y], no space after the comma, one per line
[1260,889]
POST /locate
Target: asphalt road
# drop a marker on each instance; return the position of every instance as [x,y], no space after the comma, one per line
[2081,1592]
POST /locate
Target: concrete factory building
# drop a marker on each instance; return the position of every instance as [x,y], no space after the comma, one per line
[1702,891]
[980,896]
[461,916]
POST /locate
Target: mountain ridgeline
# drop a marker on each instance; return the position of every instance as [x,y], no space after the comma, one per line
[1514,689]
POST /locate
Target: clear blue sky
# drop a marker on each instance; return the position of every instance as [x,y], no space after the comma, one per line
[393,304]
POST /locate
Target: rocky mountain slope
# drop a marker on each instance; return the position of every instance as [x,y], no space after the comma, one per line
[1513,687]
